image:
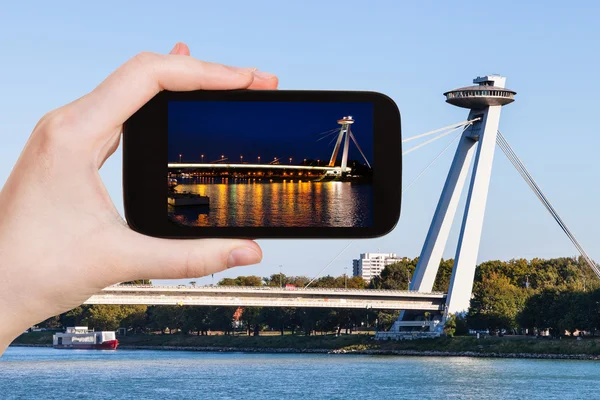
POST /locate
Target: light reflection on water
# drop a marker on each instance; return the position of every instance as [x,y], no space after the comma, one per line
[90,374]
[248,203]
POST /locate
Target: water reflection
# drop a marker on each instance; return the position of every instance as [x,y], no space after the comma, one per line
[251,203]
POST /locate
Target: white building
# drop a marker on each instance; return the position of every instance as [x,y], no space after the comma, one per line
[370,265]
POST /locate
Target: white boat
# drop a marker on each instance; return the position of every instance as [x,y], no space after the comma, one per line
[80,337]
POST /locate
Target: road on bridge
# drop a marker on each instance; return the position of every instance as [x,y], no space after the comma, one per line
[269,297]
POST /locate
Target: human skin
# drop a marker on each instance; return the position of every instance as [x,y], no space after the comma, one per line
[61,237]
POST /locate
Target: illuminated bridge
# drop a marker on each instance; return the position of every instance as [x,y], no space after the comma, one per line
[304,168]
[237,296]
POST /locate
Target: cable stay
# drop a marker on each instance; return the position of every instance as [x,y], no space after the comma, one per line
[358,147]
[514,159]
[330,262]
[328,133]
[434,160]
[452,127]
[433,139]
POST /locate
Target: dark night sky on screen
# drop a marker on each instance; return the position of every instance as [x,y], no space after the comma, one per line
[265,129]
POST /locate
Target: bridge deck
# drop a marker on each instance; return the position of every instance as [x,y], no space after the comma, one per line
[269,297]
[252,166]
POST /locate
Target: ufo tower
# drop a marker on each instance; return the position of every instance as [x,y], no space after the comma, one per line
[345,123]
[484,101]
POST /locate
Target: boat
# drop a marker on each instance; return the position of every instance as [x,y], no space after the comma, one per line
[188,199]
[80,337]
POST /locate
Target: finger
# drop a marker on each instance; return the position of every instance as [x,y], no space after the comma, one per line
[180,49]
[141,78]
[145,257]
[264,80]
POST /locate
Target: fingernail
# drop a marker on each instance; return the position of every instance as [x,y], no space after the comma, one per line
[264,75]
[175,49]
[244,71]
[243,256]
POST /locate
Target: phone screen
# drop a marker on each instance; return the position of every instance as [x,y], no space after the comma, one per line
[270,164]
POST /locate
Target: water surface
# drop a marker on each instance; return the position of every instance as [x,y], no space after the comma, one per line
[123,374]
[248,203]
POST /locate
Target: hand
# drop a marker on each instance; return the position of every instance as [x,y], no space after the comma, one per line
[61,238]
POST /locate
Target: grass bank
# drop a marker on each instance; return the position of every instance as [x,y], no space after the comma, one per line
[354,343]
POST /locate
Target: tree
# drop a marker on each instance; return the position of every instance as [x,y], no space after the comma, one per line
[74,317]
[197,319]
[442,279]
[109,316]
[221,319]
[137,282]
[395,276]
[496,303]
[168,318]
[450,326]
[136,319]
[251,319]
[241,281]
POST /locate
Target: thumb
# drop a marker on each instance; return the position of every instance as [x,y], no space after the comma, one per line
[143,257]
[180,49]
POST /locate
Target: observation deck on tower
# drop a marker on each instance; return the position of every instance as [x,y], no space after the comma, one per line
[489,91]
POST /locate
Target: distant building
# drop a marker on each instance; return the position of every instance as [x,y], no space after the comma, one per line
[370,265]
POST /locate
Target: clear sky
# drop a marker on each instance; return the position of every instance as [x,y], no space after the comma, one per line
[412,51]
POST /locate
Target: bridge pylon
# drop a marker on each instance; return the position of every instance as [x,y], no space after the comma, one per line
[344,136]
[484,101]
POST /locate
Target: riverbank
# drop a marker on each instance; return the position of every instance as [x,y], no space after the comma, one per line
[505,347]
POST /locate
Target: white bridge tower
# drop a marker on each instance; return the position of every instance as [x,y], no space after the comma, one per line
[484,100]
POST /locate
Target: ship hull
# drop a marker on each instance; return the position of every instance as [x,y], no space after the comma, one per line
[108,345]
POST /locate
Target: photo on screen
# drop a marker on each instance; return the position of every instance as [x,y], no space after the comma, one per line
[270,164]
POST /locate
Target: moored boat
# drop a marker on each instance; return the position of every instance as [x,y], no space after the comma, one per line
[80,337]
[188,199]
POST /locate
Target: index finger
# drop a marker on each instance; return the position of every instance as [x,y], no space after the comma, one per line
[138,80]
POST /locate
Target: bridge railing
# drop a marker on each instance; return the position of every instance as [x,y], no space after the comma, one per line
[270,288]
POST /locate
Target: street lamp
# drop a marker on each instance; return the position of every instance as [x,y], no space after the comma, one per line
[202,158]
[259,159]
[180,158]
[346,277]
[290,160]
[280,276]
[241,159]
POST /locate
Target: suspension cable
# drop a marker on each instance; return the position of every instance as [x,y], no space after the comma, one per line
[433,161]
[514,159]
[433,139]
[358,147]
[330,262]
[453,126]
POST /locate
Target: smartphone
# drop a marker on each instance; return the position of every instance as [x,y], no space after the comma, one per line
[263,164]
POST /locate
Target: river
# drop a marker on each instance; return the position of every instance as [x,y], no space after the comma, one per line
[246,203]
[143,374]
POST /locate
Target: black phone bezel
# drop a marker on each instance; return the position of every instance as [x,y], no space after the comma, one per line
[145,160]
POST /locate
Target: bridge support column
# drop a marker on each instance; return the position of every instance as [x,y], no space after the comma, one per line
[463,273]
[439,230]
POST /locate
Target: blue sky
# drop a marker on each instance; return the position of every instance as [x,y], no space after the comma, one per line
[412,51]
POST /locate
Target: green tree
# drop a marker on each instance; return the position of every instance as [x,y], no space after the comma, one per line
[496,303]
[109,316]
[395,276]
[166,318]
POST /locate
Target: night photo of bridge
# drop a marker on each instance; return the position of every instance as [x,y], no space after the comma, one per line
[270,164]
